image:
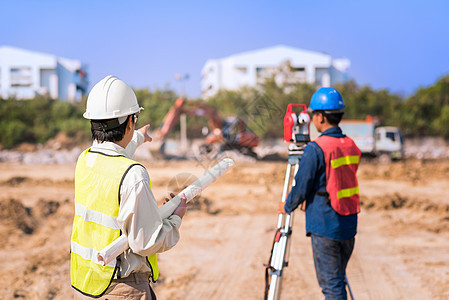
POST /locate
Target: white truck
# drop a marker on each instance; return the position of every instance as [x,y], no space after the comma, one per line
[383,142]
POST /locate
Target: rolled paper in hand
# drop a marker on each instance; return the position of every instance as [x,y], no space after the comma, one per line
[209,177]
[120,245]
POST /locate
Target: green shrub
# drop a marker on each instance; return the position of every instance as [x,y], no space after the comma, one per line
[13,132]
[426,112]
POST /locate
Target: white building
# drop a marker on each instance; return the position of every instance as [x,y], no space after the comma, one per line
[25,74]
[253,67]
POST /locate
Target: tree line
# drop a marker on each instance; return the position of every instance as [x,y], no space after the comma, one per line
[425,113]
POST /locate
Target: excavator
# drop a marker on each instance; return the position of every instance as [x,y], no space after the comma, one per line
[224,134]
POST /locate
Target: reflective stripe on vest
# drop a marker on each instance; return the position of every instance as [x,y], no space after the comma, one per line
[97,195]
[346,193]
[345,160]
[342,158]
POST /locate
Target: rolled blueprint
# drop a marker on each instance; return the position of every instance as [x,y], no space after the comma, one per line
[120,245]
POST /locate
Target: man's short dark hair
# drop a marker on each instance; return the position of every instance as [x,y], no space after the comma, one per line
[333,118]
[101,133]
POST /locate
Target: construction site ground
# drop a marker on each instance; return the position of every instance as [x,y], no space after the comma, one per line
[401,249]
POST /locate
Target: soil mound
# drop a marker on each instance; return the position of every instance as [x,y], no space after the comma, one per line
[397,201]
[203,204]
[17,181]
[411,170]
[422,214]
[26,219]
[13,212]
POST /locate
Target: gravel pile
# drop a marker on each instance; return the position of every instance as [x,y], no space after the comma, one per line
[426,148]
[43,156]
[421,148]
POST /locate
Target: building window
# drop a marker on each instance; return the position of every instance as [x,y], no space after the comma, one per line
[21,77]
[300,69]
[242,70]
[299,74]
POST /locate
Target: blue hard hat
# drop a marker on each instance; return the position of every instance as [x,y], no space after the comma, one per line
[326,98]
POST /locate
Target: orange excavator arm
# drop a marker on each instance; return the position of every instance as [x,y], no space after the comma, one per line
[236,134]
[192,108]
[170,119]
[200,109]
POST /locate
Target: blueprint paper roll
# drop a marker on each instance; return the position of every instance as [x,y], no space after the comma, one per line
[120,245]
[114,249]
[209,177]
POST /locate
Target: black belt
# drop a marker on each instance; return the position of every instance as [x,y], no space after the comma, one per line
[324,194]
[134,277]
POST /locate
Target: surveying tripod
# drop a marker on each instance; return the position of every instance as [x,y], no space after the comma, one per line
[281,243]
[282,239]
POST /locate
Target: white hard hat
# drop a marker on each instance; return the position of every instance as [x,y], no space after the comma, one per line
[111,98]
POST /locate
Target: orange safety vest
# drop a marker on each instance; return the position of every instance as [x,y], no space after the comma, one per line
[342,158]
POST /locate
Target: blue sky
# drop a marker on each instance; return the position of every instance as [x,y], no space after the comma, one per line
[397,45]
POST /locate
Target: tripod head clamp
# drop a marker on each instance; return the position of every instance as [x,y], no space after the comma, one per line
[296,127]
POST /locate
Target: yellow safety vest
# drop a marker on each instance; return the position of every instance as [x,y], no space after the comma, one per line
[98,178]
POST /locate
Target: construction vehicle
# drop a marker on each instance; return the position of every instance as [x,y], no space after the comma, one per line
[383,142]
[231,133]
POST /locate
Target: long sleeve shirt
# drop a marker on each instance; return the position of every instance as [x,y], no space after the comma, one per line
[138,215]
[321,218]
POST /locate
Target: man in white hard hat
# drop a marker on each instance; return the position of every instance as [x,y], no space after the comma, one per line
[113,196]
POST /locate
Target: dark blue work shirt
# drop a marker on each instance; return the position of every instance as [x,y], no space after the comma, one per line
[321,218]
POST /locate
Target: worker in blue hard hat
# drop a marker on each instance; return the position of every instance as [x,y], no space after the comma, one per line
[326,181]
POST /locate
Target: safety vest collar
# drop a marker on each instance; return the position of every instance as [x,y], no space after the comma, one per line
[110,155]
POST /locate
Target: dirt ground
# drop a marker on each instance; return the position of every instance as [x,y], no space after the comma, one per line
[401,247]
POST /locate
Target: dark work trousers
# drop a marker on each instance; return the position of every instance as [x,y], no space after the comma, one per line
[331,258]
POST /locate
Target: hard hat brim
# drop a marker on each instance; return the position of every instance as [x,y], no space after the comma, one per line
[112,115]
